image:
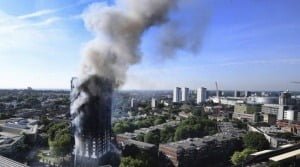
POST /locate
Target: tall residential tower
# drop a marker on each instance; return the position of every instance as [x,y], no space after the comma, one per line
[185,94]
[201,95]
[177,95]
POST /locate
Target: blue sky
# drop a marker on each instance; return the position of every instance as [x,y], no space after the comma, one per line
[248,44]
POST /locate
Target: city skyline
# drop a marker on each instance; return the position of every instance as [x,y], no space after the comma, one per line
[249,45]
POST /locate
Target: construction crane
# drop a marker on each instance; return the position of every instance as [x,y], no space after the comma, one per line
[219,107]
[218,94]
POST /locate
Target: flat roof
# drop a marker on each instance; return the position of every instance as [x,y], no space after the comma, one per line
[10,163]
[140,144]
[285,156]
[261,152]
[286,145]
[271,105]
[8,134]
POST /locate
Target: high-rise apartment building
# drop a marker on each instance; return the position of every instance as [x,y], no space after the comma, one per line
[133,103]
[201,95]
[177,95]
[237,93]
[285,98]
[185,94]
[248,93]
[153,103]
[92,120]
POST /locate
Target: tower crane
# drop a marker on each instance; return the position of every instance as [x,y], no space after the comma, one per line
[218,94]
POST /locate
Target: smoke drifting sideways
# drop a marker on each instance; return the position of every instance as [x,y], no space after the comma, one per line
[185,30]
[118,31]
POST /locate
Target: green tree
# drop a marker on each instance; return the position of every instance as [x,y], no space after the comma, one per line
[239,157]
[59,139]
[152,137]
[140,137]
[62,144]
[159,121]
[197,111]
[54,128]
[167,134]
[183,132]
[144,123]
[195,127]
[131,162]
[256,141]
[123,126]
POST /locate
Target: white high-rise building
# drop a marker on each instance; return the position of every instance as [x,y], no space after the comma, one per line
[201,95]
[289,115]
[153,103]
[285,98]
[177,95]
[237,93]
[132,103]
[185,94]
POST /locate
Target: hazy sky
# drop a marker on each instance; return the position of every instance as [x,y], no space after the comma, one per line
[248,44]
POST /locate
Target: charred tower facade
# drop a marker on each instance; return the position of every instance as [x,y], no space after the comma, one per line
[91,103]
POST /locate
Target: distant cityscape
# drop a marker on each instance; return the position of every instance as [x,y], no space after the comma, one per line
[180,128]
[149,83]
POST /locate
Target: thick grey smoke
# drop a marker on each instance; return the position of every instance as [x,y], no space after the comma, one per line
[118,30]
[185,30]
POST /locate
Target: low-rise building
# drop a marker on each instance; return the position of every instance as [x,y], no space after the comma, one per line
[270,119]
[185,114]
[247,112]
[247,108]
[205,151]
[289,126]
[271,109]
[220,116]
[160,127]
[12,134]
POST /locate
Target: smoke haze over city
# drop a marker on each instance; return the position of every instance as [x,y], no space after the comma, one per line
[149,83]
[245,45]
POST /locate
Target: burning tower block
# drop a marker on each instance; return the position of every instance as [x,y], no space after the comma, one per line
[91,103]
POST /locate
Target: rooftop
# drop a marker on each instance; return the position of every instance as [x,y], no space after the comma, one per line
[160,126]
[198,143]
[6,162]
[22,124]
[271,129]
[261,152]
[285,155]
[140,144]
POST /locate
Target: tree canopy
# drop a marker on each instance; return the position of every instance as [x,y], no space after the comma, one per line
[238,157]
[131,162]
[152,137]
[159,120]
[195,127]
[256,141]
[123,126]
[59,139]
[167,134]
